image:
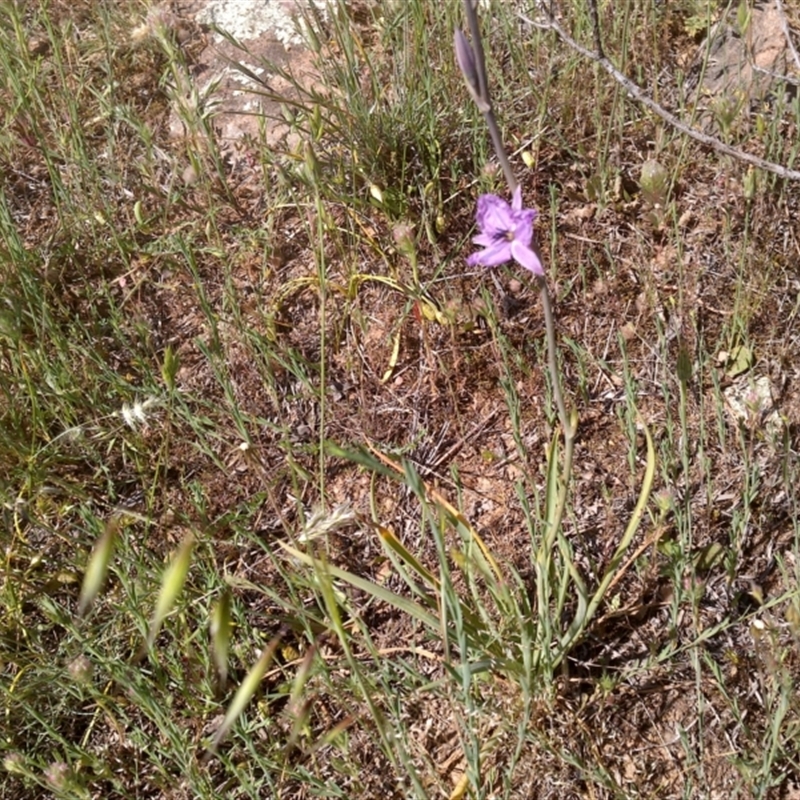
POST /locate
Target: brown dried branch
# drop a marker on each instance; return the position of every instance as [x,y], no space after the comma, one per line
[787,33]
[639,95]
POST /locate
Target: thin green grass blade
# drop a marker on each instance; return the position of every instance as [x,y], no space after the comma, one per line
[299,708]
[633,523]
[409,607]
[363,458]
[641,504]
[586,613]
[220,629]
[551,496]
[244,693]
[544,555]
[393,543]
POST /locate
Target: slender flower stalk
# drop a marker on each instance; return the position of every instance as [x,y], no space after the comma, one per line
[506,234]
[507,231]
[473,67]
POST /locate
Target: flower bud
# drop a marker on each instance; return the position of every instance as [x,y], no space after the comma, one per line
[466,61]
[465,56]
[15,764]
[654,182]
[81,669]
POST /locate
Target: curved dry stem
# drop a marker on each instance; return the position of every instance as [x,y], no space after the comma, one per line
[637,94]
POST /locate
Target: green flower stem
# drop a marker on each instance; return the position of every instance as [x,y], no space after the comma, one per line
[557,503]
[568,422]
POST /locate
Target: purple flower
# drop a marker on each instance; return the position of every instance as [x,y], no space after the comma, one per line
[506,233]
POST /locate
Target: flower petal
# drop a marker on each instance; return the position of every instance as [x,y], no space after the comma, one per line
[523,226]
[494,255]
[482,240]
[526,257]
[516,200]
[526,216]
[494,216]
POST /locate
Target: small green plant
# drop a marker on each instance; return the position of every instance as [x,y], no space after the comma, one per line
[525,641]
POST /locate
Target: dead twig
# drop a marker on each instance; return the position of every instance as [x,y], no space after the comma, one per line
[637,94]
